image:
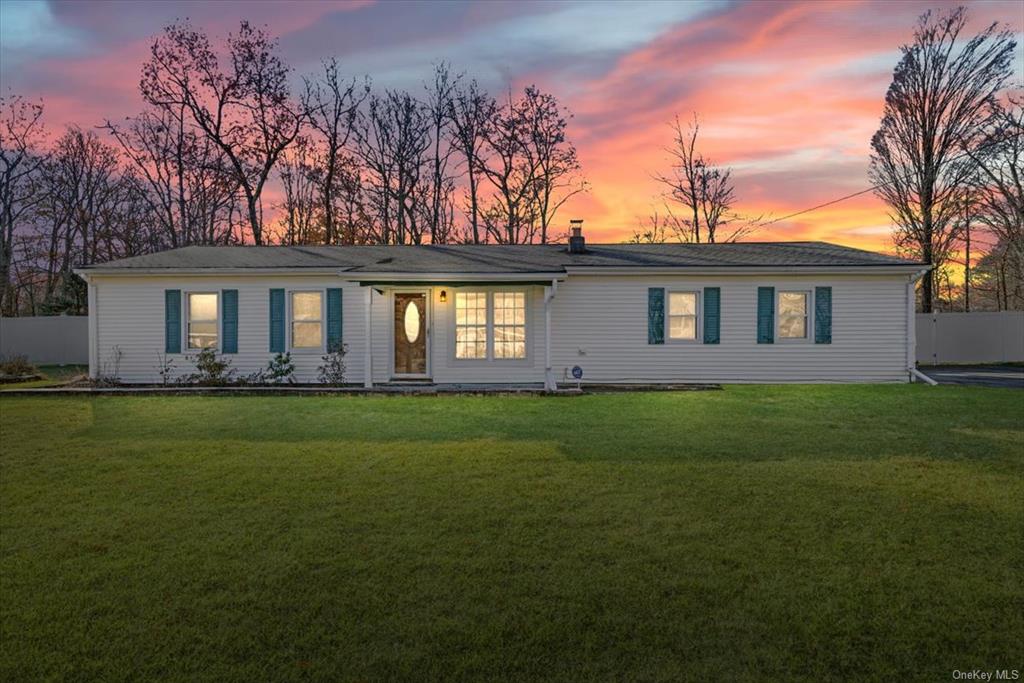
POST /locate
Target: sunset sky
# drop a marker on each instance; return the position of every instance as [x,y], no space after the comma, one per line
[789,93]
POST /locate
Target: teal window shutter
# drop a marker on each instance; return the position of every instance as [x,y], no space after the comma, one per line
[333,318]
[712,314]
[172,321]
[277,321]
[765,315]
[656,315]
[822,315]
[229,320]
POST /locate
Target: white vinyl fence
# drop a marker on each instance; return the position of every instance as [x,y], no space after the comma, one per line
[47,340]
[970,337]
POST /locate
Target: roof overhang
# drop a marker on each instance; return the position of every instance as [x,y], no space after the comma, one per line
[879,269]
[452,279]
[85,273]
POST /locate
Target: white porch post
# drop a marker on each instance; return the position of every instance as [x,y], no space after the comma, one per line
[368,356]
[549,294]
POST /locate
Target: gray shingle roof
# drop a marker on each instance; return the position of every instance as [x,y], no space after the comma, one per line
[492,258]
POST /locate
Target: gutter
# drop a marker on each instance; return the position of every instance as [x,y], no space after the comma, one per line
[866,269]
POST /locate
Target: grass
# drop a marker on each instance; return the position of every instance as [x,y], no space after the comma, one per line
[800,533]
[53,375]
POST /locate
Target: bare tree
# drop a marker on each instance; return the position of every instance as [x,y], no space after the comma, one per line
[333,105]
[440,94]
[700,187]
[245,110]
[189,187]
[1000,182]
[21,157]
[509,218]
[303,216]
[558,171]
[394,136]
[472,111]
[942,97]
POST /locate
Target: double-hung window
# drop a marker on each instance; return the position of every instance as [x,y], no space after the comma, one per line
[490,325]
[470,325]
[202,320]
[682,316]
[793,315]
[307,320]
[509,325]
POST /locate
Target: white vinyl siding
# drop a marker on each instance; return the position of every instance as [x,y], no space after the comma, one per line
[598,322]
[131,317]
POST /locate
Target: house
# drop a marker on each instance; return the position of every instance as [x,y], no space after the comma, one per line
[520,314]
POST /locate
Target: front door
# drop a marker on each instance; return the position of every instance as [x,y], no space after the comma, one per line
[410,333]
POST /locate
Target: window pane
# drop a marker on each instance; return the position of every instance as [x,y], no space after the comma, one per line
[305,335]
[201,341]
[202,306]
[470,342]
[792,303]
[306,306]
[682,327]
[792,327]
[682,303]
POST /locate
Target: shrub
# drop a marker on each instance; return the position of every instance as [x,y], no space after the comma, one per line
[280,369]
[332,371]
[17,366]
[212,371]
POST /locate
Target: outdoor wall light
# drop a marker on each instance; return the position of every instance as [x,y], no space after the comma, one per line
[444,296]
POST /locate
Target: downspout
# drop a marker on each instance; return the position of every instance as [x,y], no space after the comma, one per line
[912,370]
[549,294]
[368,356]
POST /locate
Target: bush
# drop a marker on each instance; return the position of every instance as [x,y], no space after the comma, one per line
[332,371]
[280,369]
[212,371]
[17,366]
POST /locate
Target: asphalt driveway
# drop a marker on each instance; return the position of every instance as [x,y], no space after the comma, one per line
[977,375]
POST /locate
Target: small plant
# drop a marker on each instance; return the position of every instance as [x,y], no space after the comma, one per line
[332,371]
[109,374]
[17,366]
[165,368]
[212,371]
[280,369]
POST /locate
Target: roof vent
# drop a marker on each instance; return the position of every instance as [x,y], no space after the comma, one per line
[577,245]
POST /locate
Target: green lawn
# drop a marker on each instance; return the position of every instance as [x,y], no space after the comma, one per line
[779,533]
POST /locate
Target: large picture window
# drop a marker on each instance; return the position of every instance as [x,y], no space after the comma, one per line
[470,325]
[307,320]
[682,316]
[202,320]
[490,325]
[792,310]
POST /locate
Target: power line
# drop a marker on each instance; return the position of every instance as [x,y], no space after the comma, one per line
[872,188]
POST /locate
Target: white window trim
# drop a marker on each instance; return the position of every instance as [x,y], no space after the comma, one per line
[187,304]
[289,321]
[489,354]
[698,335]
[808,315]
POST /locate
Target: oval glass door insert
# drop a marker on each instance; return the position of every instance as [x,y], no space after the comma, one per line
[412,322]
